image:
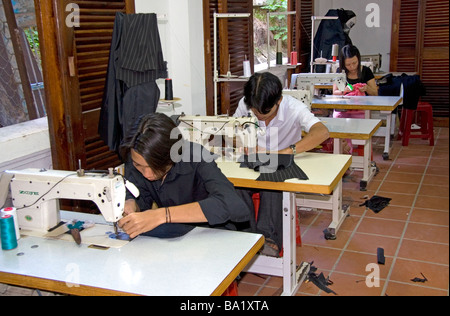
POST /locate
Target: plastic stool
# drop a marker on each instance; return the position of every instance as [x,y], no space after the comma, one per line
[426,128]
[232,290]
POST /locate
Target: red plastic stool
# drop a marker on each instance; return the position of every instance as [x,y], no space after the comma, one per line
[232,290]
[426,129]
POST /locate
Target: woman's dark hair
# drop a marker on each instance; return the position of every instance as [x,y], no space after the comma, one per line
[349,51]
[152,140]
[262,91]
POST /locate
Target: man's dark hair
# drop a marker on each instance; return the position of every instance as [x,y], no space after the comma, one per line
[262,91]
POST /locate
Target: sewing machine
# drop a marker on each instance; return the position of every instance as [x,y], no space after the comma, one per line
[374,59]
[306,84]
[216,133]
[35,194]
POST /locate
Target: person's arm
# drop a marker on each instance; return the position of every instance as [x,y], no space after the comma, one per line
[336,91]
[137,223]
[370,88]
[317,134]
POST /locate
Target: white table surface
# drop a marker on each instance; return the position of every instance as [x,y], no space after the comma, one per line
[323,170]
[194,265]
[351,127]
[372,103]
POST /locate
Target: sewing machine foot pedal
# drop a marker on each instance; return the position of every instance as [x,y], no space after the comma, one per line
[329,234]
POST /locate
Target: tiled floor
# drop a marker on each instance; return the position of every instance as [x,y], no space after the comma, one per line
[413,230]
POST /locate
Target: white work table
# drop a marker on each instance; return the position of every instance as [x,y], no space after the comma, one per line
[325,173]
[202,262]
[361,132]
[384,104]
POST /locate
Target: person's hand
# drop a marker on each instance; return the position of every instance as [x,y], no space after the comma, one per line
[130,207]
[137,223]
[363,88]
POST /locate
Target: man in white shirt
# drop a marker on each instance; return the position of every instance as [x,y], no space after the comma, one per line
[281,120]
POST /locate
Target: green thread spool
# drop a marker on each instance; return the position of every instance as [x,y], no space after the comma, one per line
[8,232]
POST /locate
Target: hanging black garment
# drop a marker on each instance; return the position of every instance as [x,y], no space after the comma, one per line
[135,62]
[413,88]
[332,32]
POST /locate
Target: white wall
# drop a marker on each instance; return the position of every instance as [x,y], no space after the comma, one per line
[181,33]
[369,40]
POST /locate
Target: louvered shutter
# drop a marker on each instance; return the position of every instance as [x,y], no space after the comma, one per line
[420,43]
[74,68]
[435,56]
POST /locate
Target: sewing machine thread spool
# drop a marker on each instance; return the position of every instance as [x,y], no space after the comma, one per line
[169,90]
[335,52]
[279,53]
[13,212]
[8,232]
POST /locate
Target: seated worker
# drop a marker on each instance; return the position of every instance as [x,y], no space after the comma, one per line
[362,76]
[179,177]
[282,119]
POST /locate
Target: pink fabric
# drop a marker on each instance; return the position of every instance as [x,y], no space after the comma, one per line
[356,91]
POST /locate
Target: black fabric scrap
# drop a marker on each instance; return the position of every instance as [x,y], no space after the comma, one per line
[419,279]
[319,280]
[380,256]
[376,203]
[284,168]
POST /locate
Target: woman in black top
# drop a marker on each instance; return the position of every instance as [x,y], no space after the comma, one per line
[181,177]
[350,62]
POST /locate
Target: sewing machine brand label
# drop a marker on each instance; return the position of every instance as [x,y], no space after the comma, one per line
[28,192]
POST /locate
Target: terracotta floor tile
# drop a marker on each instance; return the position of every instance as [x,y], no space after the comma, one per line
[357,263]
[424,251]
[369,244]
[434,190]
[391,212]
[437,180]
[402,168]
[421,161]
[315,237]
[400,187]
[433,202]
[324,258]
[406,270]
[245,289]
[381,227]
[404,177]
[437,170]
[426,232]
[351,285]
[430,216]
[400,289]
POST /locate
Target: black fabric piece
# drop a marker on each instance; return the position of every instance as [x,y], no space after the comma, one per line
[376,203]
[273,167]
[413,88]
[420,279]
[332,32]
[169,230]
[319,280]
[135,62]
[380,256]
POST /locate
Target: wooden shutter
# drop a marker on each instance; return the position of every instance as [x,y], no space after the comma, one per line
[299,30]
[235,38]
[74,61]
[434,60]
[420,43]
